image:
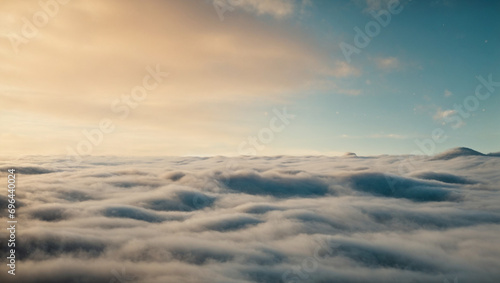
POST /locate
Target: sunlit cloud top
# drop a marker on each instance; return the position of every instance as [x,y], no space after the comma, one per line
[70,65]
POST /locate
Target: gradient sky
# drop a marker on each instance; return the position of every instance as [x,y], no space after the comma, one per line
[227,74]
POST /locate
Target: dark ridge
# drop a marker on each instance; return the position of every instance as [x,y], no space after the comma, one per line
[350,154]
[376,257]
[27,170]
[50,214]
[55,245]
[175,176]
[131,184]
[232,223]
[181,201]
[260,209]
[444,177]
[277,186]
[75,196]
[132,213]
[380,184]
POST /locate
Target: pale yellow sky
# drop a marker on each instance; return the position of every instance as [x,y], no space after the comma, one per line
[91,52]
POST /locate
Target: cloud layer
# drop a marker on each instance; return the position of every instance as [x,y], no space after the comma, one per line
[267,219]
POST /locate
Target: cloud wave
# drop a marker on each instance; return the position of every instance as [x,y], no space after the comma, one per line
[270,219]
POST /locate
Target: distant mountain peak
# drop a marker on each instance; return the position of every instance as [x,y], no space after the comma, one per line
[457,152]
[350,154]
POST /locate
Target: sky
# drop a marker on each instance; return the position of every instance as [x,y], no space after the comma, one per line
[248,77]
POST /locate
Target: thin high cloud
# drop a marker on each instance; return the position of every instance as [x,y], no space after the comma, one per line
[387,63]
[189,219]
[276,8]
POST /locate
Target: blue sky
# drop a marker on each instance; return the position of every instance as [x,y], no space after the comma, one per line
[230,63]
[440,47]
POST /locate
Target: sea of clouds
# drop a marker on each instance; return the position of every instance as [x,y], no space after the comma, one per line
[265,219]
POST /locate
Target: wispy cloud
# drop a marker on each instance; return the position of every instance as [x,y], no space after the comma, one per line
[375,136]
[387,63]
[444,116]
[375,5]
[276,8]
[343,69]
